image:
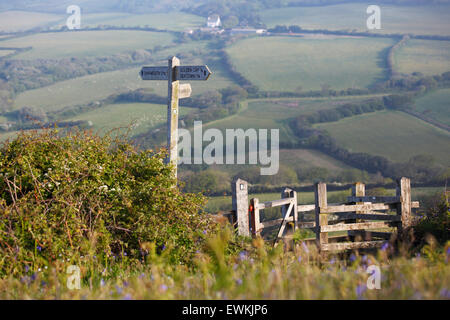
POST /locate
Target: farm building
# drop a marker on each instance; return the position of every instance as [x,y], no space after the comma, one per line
[213,21]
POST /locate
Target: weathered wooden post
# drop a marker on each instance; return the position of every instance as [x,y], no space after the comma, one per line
[173,73]
[239,189]
[172,112]
[403,191]
[254,217]
[320,195]
[358,190]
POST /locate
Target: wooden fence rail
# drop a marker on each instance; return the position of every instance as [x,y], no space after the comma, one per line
[361,215]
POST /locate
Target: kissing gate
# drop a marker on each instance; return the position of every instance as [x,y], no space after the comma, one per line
[367,217]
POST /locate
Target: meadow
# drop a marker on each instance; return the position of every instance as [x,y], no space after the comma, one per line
[57,45]
[436,105]
[395,135]
[137,117]
[287,63]
[426,19]
[174,21]
[428,57]
[14,21]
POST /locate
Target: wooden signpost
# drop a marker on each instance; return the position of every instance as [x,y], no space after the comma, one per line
[173,74]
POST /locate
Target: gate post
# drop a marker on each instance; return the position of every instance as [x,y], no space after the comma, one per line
[403,191]
[320,195]
[240,205]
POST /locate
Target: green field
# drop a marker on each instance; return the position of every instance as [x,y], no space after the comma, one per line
[139,116]
[395,135]
[435,105]
[427,19]
[86,43]
[177,21]
[426,56]
[285,63]
[12,21]
[5,52]
[85,89]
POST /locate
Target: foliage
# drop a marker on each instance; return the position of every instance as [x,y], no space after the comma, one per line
[79,194]
[436,222]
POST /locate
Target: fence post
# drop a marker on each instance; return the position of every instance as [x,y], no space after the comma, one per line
[240,205]
[289,193]
[358,190]
[254,217]
[404,206]
[320,195]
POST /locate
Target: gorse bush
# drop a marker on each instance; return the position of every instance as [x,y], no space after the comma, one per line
[78,194]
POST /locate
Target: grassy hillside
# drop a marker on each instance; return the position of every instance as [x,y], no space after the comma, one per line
[426,56]
[12,21]
[86,43]
[177,21]
[139,116]
[395,135]
[284,63]
[435,105]
[429,19]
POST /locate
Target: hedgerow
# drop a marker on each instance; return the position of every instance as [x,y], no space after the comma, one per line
[78,194]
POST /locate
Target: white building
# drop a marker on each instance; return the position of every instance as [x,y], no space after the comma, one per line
[213,21]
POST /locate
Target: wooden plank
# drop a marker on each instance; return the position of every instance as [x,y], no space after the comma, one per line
[373,199]
[363,216]
[307,224]
[368,235]
[283,224]
[355,207]
[271,223]
[352,245]
[357,226]
[306,207]
[415,204]
[274,203]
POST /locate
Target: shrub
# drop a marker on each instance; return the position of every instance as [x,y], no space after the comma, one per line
[79,194]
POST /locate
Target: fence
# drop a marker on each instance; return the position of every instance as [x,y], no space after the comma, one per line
[360,216]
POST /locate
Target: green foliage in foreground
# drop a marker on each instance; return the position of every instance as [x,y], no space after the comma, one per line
[257,273]
[78,194]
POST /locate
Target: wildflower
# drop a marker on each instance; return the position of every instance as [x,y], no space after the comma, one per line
[242,255]
[239,281]
[364,258]
[163,287]
[448,251]
[125,254]
[27,268]
[33,277]
[39,248]
[43,283]
[119,289]
[332,261]
[142,275]
[102,282]
[360,290]
[204,231]
[127,297]
[125,283]
[445,293]
[385,246]
[299,259]
[305,247]
[163,247]
[352,258]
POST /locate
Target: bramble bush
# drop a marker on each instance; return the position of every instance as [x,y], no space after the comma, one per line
[77,194]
